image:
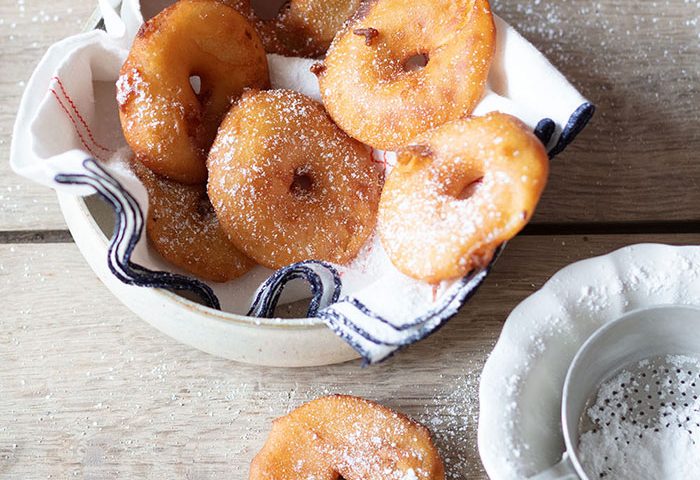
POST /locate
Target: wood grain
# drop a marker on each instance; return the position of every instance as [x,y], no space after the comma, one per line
[88,390]
[638,61]
[27,29]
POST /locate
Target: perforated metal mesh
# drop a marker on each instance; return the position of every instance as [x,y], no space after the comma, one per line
[651,395]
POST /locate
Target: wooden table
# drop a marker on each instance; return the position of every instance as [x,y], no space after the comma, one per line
[89,390]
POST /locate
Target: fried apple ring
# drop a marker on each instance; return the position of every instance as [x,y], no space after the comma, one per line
[458,192]
[166,123]
[301,28]
[306,28]
[182,227]
[347,437]
[401,68]
[241,6]
[288,185]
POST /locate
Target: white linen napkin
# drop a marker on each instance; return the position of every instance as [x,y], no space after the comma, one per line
[67,136]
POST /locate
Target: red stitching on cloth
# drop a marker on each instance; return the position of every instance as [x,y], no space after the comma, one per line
[381,162]
[382,174]
[386,162]
[82,139]
[375,160]
[80,117]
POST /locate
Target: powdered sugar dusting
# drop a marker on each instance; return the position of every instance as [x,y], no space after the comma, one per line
[351,436]
[646,423]
[457,194]
[288,185]
[183,228]
[370,92]
[453,419]
[130,83]
[543,334]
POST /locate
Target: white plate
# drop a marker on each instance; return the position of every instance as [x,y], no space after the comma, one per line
[520,391]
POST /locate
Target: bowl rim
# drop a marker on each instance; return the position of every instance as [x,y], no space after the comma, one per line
[254,322]
[297,324]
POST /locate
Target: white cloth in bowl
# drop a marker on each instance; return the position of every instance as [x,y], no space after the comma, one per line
[67,136]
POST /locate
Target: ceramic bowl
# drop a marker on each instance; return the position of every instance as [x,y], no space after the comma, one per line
[289,342]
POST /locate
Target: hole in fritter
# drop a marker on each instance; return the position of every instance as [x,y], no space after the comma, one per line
[416,62]
[302,184]
[268,9]
[196,83]
[204,208]
[470,189]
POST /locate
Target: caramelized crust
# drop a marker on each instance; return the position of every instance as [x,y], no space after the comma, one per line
[375,85]
[347,437]
[288,185]
[182,227]
[458,192]
[306,28]
[168,125]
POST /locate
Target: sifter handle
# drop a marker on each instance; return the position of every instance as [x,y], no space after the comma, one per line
[564,470]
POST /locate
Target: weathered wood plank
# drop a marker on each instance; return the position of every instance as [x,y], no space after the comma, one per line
[638,61]
[89,390]
[26,31]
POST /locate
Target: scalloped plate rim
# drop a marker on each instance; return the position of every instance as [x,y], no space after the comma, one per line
[512,343]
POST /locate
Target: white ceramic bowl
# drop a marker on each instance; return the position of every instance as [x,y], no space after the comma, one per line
[292,342]
[297,342]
